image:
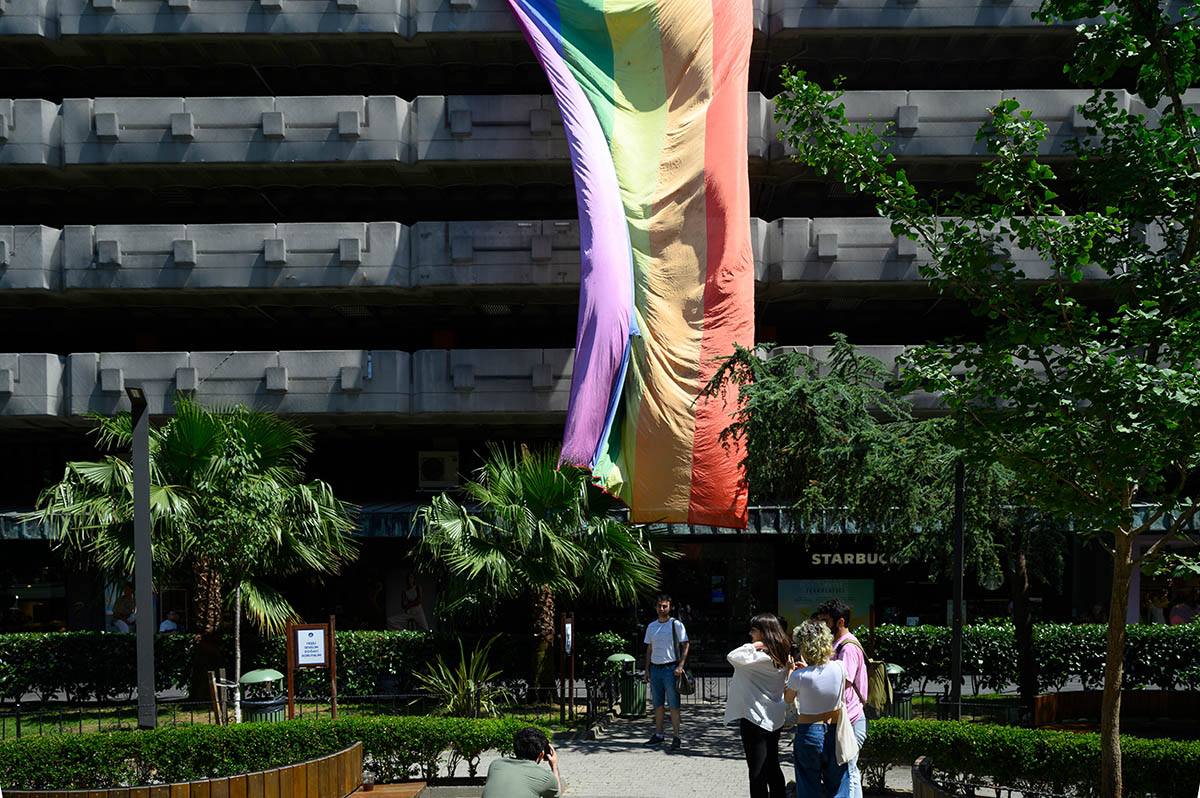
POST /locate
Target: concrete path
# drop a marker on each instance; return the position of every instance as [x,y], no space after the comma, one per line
[709,765]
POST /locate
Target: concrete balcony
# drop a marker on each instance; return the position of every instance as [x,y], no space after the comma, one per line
[484,128]
[205,17]
[497,254]
[31,386]
[235,256]
[341,382]
[28,18]
[790,255]
[234,130]
[30,259]
[492,383]
[433,134]
[797,16]
[465,18]
[462,18]
[30,132]
[940,124]
[434,386]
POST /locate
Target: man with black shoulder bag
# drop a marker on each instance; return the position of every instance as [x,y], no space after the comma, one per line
[666,654]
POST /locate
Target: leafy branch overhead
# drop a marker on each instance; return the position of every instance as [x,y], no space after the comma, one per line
[1083,382]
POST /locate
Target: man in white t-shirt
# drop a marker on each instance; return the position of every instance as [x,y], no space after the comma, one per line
[835,614]
[666,652]
[170,624]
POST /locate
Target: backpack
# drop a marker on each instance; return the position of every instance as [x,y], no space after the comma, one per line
[879,686]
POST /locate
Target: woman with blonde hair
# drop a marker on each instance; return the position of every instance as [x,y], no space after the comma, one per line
[816,691]
[755,701]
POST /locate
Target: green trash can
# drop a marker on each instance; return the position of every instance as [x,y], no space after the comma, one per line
[901,706]
[631,688]
[262,702]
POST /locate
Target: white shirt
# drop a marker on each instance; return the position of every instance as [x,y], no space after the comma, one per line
[658,636]
[818,687]
[756,691]
[168,626]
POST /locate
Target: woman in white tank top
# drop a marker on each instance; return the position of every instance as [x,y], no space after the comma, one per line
[815,691]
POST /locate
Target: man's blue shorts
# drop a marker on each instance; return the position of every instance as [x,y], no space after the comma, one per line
[662,685]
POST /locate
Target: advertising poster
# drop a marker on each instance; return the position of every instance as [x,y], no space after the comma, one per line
[798,598]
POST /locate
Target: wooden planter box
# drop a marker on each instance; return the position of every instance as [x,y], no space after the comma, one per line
[333,776]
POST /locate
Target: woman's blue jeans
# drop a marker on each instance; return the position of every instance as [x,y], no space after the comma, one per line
[814,751]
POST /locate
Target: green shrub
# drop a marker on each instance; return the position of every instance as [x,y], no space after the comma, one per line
[594,651]
[87,665]
[394,748]
[1034,759]
[368,662]
[1156,655]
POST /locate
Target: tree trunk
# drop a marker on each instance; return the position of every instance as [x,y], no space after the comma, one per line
[1027,677]
[1110,708]
[206,608]
[543,637]
[206,622]
[237,655]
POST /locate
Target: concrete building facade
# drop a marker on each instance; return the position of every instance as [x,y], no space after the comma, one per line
[360,213]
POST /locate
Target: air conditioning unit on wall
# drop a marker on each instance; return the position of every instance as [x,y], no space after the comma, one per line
[437,470]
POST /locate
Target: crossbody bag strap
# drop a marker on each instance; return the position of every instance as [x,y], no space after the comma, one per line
[861,700]
[674,641]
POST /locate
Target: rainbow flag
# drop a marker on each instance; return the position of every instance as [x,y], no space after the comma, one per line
[653,100]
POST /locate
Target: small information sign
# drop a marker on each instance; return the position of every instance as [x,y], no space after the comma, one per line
[310,647]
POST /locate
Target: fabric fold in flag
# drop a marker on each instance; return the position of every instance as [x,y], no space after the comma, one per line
[653,99]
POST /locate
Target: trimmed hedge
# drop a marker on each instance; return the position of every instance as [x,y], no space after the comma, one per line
[1043,760]
[1155,655]
[95,665]
[368,663]
[87,665]
[394,748]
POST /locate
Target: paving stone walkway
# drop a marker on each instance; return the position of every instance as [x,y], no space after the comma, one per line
[709,765]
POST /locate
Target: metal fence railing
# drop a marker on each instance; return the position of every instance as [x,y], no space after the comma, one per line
[539,706]
[21,720]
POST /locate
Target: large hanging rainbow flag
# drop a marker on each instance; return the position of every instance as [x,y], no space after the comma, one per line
[653,100]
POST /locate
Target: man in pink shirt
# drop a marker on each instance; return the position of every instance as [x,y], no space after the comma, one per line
[835,614]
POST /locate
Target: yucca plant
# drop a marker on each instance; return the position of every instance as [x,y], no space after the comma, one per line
[467,689]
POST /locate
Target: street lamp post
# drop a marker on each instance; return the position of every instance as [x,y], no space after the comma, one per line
[142,563]
[956,636]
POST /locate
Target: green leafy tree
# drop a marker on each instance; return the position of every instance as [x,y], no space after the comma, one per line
[529,528]
[1092,402]
[835,440]
[229,508]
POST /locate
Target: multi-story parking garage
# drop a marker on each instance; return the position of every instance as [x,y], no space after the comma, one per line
[360,213]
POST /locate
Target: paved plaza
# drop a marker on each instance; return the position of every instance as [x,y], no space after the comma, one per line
[709,765]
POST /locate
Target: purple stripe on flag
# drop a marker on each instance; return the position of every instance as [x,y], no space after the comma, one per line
[606,267]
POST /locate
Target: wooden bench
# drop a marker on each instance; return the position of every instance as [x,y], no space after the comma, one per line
[334,776]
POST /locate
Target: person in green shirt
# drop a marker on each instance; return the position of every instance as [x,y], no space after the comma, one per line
[521,776]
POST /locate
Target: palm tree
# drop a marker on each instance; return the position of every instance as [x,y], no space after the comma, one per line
[229,507]
[532,529]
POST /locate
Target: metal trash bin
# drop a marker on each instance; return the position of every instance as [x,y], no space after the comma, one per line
[631,688]
[262,703]
[901,706]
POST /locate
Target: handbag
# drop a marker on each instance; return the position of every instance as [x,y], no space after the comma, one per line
[685,682]
[847,745]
